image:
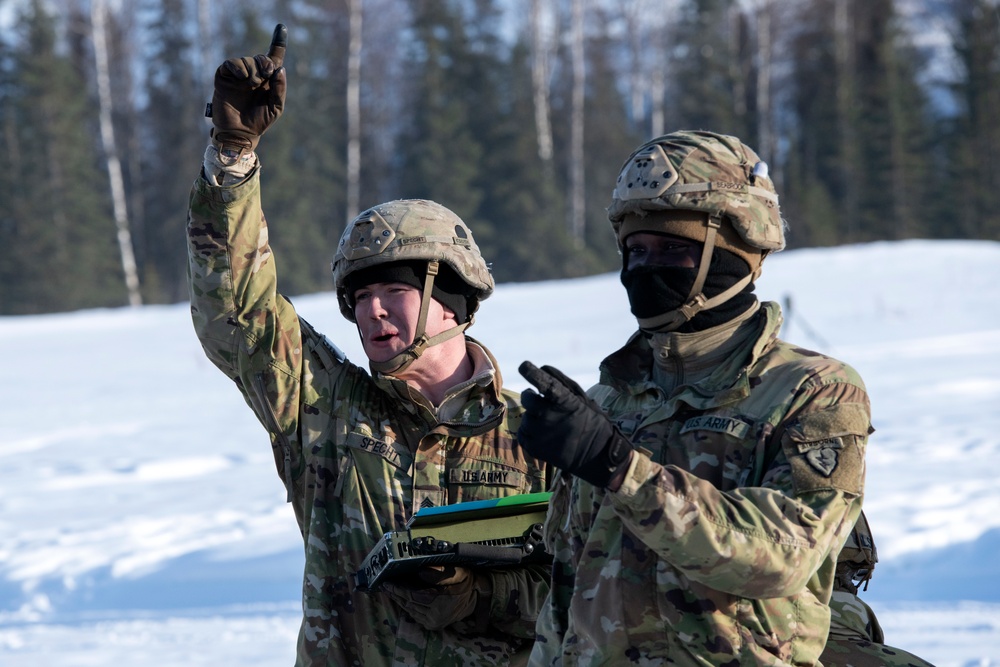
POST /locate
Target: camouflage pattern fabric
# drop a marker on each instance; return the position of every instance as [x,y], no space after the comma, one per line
[713,173]
[358,455]
[719,548]
[856,638]
[406,230]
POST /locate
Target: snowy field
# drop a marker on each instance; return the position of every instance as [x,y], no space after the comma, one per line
[142,522]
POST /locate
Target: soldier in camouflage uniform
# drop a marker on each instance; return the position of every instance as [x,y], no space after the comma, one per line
[712,475]
[856,638]
[360,453]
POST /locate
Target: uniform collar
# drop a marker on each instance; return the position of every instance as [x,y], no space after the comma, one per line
[690,358]
[631,369]
[473,402]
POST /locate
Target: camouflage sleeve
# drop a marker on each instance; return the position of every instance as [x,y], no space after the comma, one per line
[550,628]
[518,594]
[246,328]
[554,614]
[769,540]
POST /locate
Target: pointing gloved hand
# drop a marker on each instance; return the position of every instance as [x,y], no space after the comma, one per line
[442,595]
[249,96]
[565,427]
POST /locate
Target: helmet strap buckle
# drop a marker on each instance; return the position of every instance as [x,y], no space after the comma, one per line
[693,306]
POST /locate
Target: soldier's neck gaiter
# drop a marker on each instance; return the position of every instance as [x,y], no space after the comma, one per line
[653,290]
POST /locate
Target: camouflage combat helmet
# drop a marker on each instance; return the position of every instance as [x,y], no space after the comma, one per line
[710,188]
[412,230]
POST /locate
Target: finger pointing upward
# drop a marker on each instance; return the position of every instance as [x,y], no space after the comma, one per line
[279,40]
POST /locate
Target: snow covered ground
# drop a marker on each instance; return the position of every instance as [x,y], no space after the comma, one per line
[142,523]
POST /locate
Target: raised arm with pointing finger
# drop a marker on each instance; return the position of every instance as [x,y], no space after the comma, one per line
[249,96]
[361,450]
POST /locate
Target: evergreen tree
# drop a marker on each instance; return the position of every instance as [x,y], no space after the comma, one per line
[521,202]
[57,233]
[174,136]
[859,166]
[314,187]
[817,169]
[609,138]
[447,115]
[892,137]
[440,153]
[520,195]
[970,200]
[302,154]
[10,158]
[385,105]
[710,89]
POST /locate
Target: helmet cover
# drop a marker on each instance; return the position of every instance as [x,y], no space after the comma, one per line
[407,230]
[701,171]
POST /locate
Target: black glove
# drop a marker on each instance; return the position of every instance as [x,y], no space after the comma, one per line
[566,428]
[249,96]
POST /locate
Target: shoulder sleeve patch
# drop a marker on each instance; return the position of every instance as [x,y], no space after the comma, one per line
[826,448]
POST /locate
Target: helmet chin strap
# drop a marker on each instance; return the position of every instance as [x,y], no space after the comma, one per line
[696,301]
[421,341]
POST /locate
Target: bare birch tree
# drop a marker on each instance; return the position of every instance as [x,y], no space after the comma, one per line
[765,120]
[97,16]
[355,7]
[204,42]
[577,193]
[646,24]
[638,76]
[125,51]
[540,52]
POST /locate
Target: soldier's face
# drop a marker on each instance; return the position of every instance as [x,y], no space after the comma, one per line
[651,249]
[387,316]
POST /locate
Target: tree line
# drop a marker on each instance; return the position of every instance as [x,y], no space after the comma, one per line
[877,118]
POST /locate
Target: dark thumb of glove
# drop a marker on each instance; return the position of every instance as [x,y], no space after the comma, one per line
[563,426]
[249,96]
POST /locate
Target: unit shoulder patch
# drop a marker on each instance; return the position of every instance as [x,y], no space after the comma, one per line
[826,448]
[822,455]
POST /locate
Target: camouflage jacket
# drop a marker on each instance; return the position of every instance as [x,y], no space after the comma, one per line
[719,548]
[356,456]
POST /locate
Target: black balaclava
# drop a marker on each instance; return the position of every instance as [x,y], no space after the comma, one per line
[653,290]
